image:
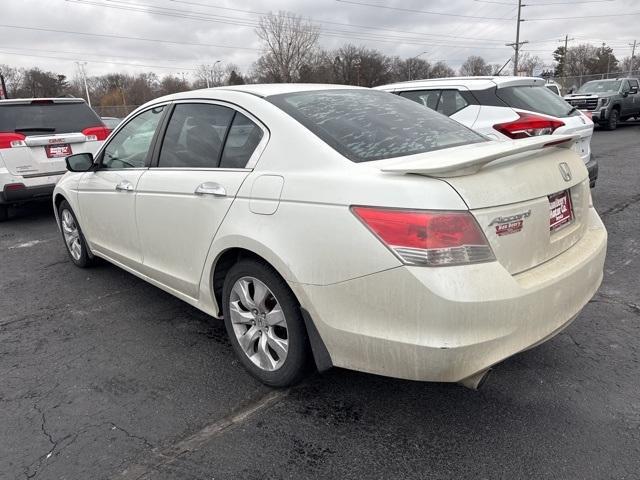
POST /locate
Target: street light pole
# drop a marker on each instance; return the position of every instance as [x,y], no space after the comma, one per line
[212,70]
[411,62]
[84,79]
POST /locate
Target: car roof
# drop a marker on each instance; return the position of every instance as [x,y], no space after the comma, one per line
[472,83]
[27,101]
[259,89]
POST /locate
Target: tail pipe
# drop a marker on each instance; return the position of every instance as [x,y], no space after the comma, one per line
[474,382]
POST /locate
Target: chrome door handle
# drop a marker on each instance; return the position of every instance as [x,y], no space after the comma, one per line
[211,188]
[124,186]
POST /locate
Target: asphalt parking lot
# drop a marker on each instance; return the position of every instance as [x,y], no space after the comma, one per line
[103,376]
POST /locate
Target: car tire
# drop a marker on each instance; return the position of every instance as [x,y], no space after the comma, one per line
[265,326]
[612,121]
[4,213]
[73,238]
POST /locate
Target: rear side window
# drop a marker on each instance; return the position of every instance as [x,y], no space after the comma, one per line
[43,118]
[243,138]
[428,98]
[536,99]
[451,101]
[195,136]
[366,125]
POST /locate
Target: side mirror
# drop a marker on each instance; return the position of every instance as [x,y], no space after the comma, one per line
[80,162]
[634,90]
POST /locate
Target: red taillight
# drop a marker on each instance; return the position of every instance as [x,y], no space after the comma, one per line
[432,238]
[14,186]
[528,125]
[96,133]
[11,140]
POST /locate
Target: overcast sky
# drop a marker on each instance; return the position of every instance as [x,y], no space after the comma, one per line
[404,29]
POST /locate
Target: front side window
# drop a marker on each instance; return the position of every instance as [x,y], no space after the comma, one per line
[366,125]
[130,146]
[195,136]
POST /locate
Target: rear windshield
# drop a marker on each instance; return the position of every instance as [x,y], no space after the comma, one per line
[536,99]
[365,125]
[600,86]
[43,118]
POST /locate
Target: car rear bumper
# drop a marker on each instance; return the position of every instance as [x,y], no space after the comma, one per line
[592,167]
[26,194]
[31,188]
[449,323]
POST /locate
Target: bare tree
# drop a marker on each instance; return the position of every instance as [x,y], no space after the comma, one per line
[441,70]
[527,63]
[475,66]
[288,42]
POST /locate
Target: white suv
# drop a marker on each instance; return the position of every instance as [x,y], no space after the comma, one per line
[503,108]
[36,134]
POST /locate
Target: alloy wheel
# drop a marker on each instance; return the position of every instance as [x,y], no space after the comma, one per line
[71,234]
[259,323]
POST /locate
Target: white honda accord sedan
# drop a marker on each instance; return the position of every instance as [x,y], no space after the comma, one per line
[341,226]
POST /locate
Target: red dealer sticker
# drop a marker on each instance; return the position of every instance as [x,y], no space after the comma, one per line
[509,228]
[57,151]
[560,210]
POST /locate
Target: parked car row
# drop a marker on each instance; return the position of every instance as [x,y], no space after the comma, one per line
[343,226]
[504,108]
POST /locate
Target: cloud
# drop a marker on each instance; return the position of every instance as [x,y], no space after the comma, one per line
[394,32]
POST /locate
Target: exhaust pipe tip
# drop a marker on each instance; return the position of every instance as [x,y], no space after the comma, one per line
[475,382]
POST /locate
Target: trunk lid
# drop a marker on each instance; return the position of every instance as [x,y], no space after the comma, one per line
[510,188]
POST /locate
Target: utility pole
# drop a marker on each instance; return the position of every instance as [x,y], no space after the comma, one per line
[565,56]
[517,43]
[82,71]
[633,54]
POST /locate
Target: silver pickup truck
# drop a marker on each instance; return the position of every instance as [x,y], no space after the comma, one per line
[609,101]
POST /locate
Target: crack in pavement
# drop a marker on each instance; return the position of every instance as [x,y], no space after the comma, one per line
[31,472]
[613,300]
[170,454]
[619,207]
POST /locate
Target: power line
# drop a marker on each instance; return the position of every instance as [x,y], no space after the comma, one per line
[252,23]
[123,37]
[411,10]
[174,67]
[351,25]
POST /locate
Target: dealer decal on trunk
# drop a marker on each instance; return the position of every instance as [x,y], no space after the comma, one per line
[510,224]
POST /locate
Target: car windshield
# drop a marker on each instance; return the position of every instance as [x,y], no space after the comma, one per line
[41,117]
[366,125]
[600,86]
[535,99]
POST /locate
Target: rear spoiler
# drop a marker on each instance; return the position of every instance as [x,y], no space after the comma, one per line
[467,160]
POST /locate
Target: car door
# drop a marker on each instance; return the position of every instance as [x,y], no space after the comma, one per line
[627,99]
[106,196]
[207,151]
[635,97]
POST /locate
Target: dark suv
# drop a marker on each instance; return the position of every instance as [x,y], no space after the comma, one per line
[609,101]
